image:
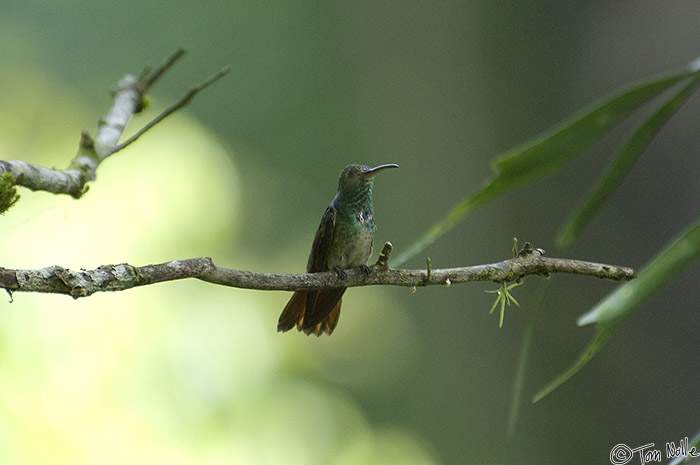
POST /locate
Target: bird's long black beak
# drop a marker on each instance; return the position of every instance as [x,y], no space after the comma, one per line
[372,171]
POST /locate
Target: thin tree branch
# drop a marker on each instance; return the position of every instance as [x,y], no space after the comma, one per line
[110,278]
[148,77]
[172,109]
[128,98]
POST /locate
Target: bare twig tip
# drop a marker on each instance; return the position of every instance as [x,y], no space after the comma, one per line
[383,260]
[429,270]
[158,72]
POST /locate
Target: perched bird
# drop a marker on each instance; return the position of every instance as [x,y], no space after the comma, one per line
[344,240]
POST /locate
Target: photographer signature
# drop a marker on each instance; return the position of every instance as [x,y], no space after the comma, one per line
[622,453]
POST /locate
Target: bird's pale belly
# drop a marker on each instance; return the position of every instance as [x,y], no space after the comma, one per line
[351,248]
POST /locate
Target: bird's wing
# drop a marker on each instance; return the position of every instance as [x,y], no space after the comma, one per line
[322,242]
[319,304]
[315,312]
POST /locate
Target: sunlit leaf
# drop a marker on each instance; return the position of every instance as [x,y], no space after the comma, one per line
[692,443]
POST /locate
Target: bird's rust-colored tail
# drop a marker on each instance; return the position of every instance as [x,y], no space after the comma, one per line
[313,312]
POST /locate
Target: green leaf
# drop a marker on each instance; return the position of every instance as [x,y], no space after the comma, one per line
[548,152]
[622,303]
[695,442]
[674,259]
[622,163]
[600,338]
[551,150]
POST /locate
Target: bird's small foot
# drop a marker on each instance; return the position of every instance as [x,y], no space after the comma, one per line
[366,270]
[340,273]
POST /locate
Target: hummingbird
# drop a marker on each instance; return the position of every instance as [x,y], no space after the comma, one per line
[344,240]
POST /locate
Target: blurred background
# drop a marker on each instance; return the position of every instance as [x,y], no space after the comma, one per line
[191,373]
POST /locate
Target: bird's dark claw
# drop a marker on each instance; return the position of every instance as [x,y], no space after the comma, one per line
[366,270]
[340,273]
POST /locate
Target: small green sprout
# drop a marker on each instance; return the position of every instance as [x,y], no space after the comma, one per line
[504,297]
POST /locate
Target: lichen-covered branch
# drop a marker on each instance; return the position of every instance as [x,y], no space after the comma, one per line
[110,278]
[128,97]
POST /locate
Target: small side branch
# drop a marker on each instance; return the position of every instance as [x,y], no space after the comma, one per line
[110,278]
[172,109]
[128,99]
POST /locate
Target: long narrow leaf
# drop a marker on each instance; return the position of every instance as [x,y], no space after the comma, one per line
[601,337]
[622,164]
[626,299]
[554,148]
[548,152]
[693,443]
[674,259]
